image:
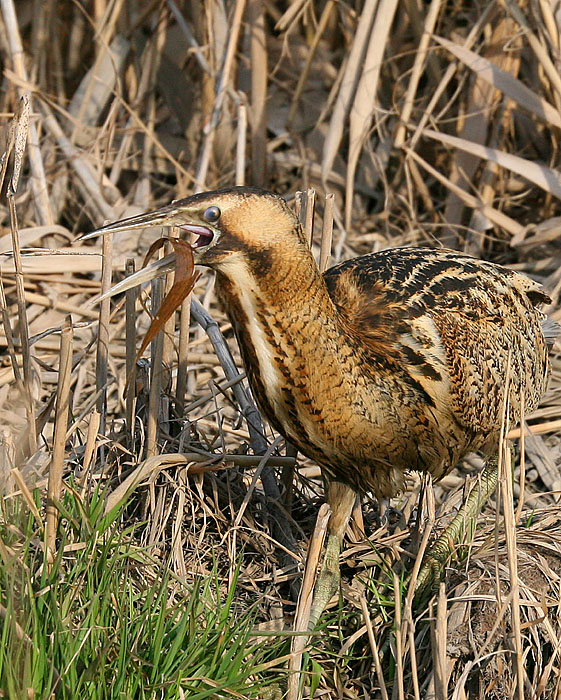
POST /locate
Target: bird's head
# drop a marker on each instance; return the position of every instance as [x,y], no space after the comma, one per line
[240,232]
[234,228]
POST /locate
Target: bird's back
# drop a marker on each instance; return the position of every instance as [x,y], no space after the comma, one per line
[441,335]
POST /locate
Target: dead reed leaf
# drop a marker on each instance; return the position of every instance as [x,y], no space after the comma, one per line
[183,282]
[541,175]
[503,81]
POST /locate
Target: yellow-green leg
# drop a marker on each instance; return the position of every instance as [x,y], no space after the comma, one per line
[341,499]
[464,523]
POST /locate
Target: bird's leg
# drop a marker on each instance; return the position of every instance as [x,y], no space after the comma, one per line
[464,522]
[341,498]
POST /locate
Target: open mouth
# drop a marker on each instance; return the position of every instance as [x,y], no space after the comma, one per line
[205,235]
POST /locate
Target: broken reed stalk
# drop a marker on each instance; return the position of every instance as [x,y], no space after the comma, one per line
[59,440]
[309,211]
[102,353]
[130,347]
[326,232]
[23,326]
[157,355]
[298,206]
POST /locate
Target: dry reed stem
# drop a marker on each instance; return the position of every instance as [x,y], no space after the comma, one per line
[507,502]
[27,495]
[538,429]
[441,638]
[374,648]
[183,355]
[409,622]
[59,440]
[365,100]
[349,81]
[326,232]
[241,141]
[510,533]
[38,180]
[416,73]
[102,349]
[305,599]
[130,344]
[23,330]
[522,474]
[156,376]
[259,73]
[318,35]
[309,215]
[398,637]
[90,447]
[221,87]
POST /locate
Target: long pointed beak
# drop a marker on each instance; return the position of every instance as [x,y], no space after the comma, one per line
[171,215]
[160,217]
[147,274]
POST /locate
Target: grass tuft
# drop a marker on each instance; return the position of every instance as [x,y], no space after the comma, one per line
[107,620]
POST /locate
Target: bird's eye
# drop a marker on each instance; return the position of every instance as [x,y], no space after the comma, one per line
[212,214]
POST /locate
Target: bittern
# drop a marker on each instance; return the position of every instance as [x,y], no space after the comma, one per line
[389,362]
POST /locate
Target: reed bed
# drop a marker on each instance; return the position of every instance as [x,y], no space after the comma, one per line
[385,123]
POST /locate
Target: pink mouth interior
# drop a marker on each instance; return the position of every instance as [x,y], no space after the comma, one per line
[205,235]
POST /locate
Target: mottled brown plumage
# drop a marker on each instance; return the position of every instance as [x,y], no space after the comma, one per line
[388,362]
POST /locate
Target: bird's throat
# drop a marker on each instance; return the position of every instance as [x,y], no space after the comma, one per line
[287,329]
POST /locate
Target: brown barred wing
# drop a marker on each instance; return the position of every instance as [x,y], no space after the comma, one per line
[459,326]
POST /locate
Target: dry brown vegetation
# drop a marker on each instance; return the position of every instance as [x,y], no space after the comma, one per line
[430,123]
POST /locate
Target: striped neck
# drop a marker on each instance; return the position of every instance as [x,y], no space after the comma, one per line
[288,331]
[284,285]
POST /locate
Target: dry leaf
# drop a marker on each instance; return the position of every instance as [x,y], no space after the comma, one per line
[183,283]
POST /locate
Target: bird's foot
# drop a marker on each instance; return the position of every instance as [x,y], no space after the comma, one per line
[327,583]
[464,522]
